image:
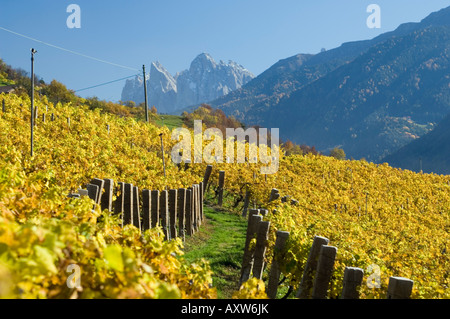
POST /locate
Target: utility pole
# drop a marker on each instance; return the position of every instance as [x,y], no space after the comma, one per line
[33,51]
[145,93]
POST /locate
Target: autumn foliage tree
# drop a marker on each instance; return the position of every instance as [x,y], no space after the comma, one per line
[58,92]
[211,118]
[337,153]
[291,148]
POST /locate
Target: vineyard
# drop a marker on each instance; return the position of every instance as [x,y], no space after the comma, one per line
[374,214]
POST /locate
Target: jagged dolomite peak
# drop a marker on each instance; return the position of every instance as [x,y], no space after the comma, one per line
[204,81]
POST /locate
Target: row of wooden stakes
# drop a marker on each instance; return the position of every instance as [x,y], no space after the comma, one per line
[179,212]
[318,270]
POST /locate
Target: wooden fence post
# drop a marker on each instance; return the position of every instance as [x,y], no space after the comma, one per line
[164,213]
[3,106]
[221,186]
[247,261]
[182,213]
[324,271]
[100,184]
[127,217]
[399,288]
[188,212]
[260,249]
[106,199]
[187,164]
[206,177]
[146,209]
[136,212]
[352,280]
[199,206]
[173,201]
[202,195]
[154,209]
[195,206]
[118,204]
[246,203]
[274,194]
[306,284]
[275,272]
[93,191]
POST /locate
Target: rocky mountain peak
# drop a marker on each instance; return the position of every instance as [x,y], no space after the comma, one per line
[161,79]
[204,81]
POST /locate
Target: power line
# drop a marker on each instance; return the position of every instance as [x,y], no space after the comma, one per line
[67,50]
[94,86]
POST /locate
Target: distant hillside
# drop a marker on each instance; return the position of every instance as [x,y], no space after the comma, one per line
[369,97]
[293,73]
[376,104]
[431,152]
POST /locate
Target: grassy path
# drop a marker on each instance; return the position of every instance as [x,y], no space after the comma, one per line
[221,241]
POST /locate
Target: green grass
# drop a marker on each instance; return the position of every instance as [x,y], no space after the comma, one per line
[221,241]
[171,121]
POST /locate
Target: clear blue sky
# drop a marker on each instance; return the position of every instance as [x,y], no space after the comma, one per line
[254,33]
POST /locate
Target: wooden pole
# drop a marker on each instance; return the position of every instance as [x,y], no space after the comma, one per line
[162,150]
[306,284]
[93,191]
[136,212]
[206,177]
[221,186]
[164,213]
[182,213]
[146,209]
[274,194]
[33,51]
[249,252]
[100,184]
[353,278]
[194,208]
[173,209]
[202,195]
[324,271]
[154,208]
[118,204]
[106,198]
[275,272]
[127,217]
[260,248]
[188,210]
[399,288]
